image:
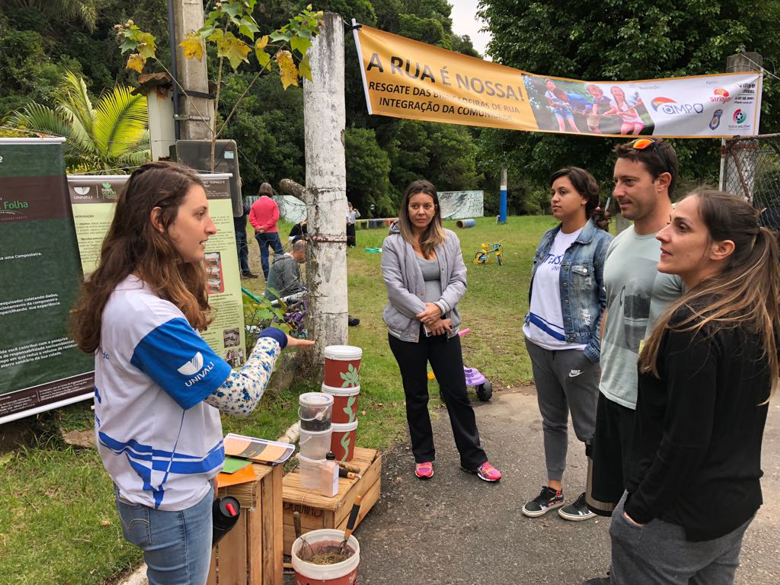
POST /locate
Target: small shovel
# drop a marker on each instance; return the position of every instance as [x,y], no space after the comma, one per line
[342,549]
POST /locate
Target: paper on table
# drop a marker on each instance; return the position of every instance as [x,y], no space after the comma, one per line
[232,464]
[259,450]
[244,475]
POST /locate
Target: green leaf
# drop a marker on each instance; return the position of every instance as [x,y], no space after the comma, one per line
[280,36]
[233,49]
[128,45]
[206,31]
[232,9]
[304,68]
[147,45]
[262,57]
[300,44]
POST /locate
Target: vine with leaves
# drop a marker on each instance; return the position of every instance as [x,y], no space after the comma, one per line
[232,29]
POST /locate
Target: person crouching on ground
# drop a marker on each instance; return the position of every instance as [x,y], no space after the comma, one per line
[562,329]
[284,277]
[423,270]
[707,372]
[159,387]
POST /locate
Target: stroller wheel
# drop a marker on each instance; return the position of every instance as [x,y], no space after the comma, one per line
[485,391]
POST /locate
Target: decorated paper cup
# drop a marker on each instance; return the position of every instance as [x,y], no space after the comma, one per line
[343,439]
[345,403]
[342,366]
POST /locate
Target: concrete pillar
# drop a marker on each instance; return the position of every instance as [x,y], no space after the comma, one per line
[195,111]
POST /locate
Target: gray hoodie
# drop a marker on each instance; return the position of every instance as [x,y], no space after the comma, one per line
[406,287]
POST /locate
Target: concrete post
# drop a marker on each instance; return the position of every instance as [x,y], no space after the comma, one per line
[326,186]
[738,163]
[197,110]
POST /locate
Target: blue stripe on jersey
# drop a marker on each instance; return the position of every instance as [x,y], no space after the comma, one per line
[144,452]
[547,327]
[180,362]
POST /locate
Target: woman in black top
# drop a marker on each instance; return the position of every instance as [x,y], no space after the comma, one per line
[706,375]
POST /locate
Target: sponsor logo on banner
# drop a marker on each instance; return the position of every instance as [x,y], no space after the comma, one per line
[720,95]
[81,190]
[107,191]
[715,122]
[670,107]
[740,117]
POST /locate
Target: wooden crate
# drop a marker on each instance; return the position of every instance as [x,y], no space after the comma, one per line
[251,553]
[320,512]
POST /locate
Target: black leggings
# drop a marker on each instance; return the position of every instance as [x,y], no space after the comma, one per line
[447,363]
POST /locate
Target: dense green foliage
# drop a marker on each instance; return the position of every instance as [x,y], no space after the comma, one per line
[622,40]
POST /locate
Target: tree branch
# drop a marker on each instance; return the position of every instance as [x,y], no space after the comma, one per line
[290,187]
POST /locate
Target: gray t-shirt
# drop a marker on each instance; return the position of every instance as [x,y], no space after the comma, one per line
[432,278]
[637,294]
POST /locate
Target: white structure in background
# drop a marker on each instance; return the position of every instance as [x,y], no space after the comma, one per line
[454,205]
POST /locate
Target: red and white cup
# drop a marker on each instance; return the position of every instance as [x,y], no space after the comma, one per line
[345,403]
[343,439]
[342,366]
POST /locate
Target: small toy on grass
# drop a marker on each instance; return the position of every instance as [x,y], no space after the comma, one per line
[485,255]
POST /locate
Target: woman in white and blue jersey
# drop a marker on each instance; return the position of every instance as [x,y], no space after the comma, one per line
[159,388]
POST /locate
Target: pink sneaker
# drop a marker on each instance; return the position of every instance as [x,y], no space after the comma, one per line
[486,472]
[424,470]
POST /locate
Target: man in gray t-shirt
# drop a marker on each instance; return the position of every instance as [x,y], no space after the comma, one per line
[645,176]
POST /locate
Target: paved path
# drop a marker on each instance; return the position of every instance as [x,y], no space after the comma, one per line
[457,530]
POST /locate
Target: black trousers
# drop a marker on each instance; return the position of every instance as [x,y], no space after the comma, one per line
[447,363]
[351,238]
[611,455]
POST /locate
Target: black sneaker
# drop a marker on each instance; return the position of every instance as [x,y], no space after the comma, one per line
[352,321]
[548,499]
[576,512]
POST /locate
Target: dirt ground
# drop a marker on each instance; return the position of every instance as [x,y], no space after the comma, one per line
[457,530]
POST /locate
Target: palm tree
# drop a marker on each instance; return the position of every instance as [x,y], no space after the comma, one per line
[77,10]
[112,134]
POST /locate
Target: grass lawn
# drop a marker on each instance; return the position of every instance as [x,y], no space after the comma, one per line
[57,519]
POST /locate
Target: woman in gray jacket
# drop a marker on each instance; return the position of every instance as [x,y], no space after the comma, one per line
[423,269]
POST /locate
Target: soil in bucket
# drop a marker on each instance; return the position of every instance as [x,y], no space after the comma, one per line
[343,572]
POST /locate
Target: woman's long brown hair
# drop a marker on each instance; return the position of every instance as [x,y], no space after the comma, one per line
[744,294]
[434,234]
[134,246]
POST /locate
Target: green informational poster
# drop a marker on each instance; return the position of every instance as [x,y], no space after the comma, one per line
[40,274]
[94,198]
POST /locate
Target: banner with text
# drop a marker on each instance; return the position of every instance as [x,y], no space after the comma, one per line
[403,78]
[93,199]
[40,275]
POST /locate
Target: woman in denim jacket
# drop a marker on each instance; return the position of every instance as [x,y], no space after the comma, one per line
[567,301]
[423,270]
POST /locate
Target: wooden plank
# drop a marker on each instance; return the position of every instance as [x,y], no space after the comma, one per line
[232,555]
[277,542]
[370,498]
[212,580]
[254,536]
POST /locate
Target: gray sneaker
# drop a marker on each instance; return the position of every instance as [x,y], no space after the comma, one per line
[576,512]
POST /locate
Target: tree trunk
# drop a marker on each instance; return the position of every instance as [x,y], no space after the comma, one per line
[326,185]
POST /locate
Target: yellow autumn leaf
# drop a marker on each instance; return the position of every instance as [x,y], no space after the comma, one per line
[287,69]
[233,48]
[136,63]
[192,46]
[261,43]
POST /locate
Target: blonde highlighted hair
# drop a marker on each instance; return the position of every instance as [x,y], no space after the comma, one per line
[434,234]
[744,294]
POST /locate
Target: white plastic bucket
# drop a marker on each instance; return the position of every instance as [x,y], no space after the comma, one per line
[315,444]
[343,440]
[315,410]
[345,403]
[311,470]
[343,573]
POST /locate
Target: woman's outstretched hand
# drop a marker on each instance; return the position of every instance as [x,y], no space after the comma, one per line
[295,342]
[430,315]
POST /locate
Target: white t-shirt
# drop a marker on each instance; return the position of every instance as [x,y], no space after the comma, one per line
[545,318]
[157,438]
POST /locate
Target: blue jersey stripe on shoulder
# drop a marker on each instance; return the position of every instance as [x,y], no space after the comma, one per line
[180,362]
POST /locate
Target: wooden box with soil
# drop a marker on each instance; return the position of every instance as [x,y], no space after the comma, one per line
[251,553]
[320,512]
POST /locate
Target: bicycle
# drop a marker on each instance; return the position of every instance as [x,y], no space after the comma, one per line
[488,250]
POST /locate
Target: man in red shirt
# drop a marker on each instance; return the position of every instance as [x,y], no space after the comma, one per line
[263,217]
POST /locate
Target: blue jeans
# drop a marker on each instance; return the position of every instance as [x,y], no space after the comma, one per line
[176,545]
[243,252]
[266,240]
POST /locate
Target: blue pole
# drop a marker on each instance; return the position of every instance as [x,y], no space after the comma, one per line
[502,208]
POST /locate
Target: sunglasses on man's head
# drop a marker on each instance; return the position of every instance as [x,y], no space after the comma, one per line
[642,143]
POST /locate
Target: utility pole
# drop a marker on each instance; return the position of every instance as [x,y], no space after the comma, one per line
[196,109]
[502,204]
[738,160]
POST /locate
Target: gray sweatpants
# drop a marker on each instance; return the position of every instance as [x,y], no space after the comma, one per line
[659,554]
[565,381]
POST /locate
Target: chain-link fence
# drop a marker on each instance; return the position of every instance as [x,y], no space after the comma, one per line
[751,168]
